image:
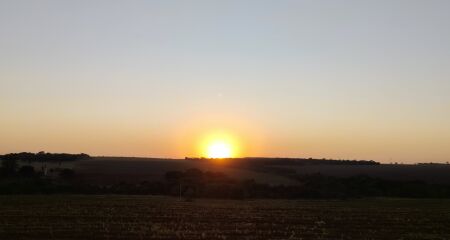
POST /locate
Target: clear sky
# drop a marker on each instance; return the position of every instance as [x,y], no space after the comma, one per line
[333,79]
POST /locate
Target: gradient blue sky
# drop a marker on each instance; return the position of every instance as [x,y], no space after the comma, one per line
[334,79]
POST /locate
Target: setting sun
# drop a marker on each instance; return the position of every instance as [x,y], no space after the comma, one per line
[219,150]
[219,144]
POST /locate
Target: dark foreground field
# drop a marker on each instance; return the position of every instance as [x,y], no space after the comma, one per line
[144,217]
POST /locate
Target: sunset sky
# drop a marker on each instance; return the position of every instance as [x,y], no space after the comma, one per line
[326,79]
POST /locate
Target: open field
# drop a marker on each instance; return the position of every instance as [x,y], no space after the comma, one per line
[112,170]
[107,170]
[429,173]
[150,217]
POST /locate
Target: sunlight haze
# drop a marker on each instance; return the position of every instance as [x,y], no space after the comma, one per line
[279,78]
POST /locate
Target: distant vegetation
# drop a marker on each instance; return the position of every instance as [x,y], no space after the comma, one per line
[194,182]
[44,157]
[290,161]
[19,175]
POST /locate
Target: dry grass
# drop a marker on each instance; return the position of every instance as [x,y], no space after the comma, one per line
[146,217]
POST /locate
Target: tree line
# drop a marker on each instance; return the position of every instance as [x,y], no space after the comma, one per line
[44,157]
[260,161]
[195,183]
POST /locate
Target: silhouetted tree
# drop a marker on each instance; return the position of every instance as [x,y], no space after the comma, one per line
[9,166]
[173,177]
[27,171]
[193,175]
[45,157]
[67,174]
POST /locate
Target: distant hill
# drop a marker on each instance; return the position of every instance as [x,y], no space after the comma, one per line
[108,170]
[44,157]
[290,161]
[239,177]
[264,170]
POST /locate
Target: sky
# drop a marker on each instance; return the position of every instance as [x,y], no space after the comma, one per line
[326,79]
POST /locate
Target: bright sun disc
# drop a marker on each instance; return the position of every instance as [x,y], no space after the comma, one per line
[219,150]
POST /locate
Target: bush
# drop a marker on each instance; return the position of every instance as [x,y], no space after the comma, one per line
[27,171]
[9,167]
[67,174]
